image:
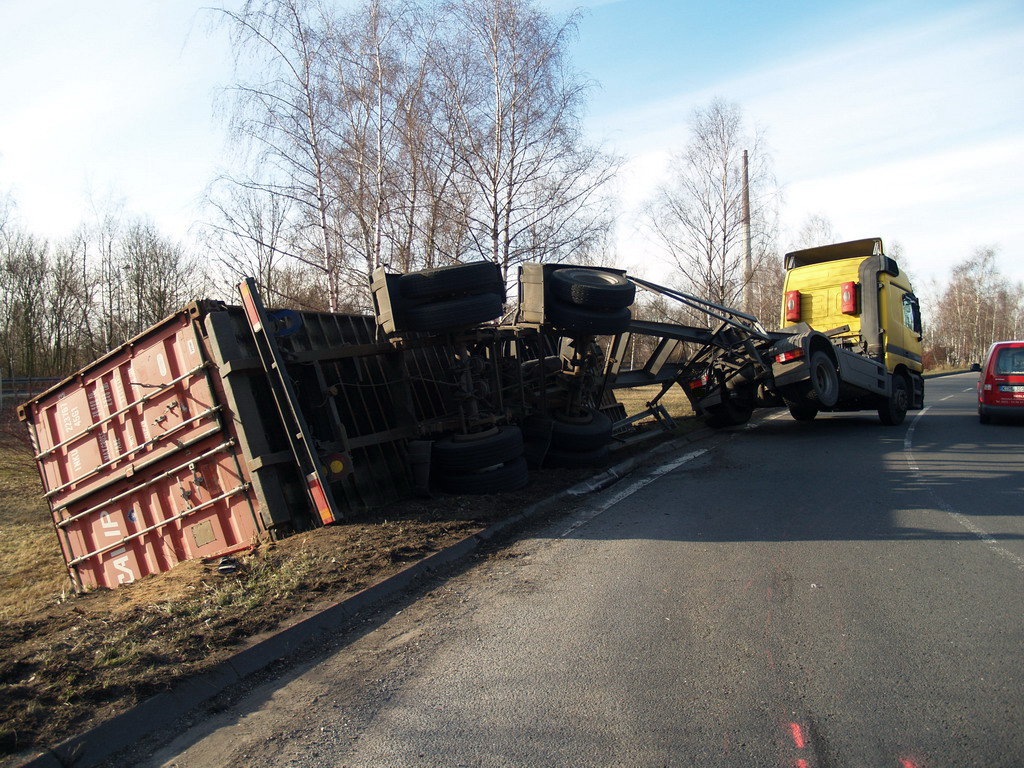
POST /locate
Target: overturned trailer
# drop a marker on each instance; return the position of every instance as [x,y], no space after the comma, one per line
[223,424]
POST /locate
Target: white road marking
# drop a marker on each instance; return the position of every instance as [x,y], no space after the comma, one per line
[586,515]
[947,397]
[962,519]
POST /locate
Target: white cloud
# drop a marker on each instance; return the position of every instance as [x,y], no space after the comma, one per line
[915,135]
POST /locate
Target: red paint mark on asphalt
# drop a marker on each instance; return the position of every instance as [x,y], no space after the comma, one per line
[798,735]
[905,763]
[801,764]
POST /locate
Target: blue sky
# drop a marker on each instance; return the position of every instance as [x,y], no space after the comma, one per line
[898,119]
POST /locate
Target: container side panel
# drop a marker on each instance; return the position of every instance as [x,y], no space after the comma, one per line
[138,467]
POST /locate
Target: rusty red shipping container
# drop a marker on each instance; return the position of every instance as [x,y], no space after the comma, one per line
[224,424]
[138,466]
[171,446]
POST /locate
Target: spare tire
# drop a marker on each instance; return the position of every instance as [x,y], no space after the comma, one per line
[592,287]
[576,320]
[452,280]
[454,313]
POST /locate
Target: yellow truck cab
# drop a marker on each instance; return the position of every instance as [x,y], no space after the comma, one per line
[851,304]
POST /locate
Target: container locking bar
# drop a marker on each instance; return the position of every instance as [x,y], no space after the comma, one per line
[300,438]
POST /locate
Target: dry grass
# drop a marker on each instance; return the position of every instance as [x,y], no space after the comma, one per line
[32,571]
[636,399]
[70,660]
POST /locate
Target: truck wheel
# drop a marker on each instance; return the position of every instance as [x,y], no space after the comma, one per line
[824,380]
[893,409]
[468,453]
[729,413]
[452,280]
[585,432]
[559,457]
[802,411]
[510,476]
[589,287]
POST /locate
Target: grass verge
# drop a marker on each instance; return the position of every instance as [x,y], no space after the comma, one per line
[70,661]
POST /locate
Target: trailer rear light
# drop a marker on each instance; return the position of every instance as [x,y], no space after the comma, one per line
[793,354]
[699,382]
[319,498]
[850,298]
[792,306]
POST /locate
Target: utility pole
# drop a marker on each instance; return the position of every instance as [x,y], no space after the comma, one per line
[748,265]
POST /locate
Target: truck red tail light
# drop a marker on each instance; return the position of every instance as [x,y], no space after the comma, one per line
[849,298]
[793,354]
[792,306]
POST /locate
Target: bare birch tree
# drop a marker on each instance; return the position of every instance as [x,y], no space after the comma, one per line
[517,103]
[284,120]
[697,213]
[979,306]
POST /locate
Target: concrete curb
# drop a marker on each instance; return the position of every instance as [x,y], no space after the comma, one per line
[92,747]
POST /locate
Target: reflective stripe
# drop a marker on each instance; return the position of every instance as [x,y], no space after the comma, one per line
[893,349]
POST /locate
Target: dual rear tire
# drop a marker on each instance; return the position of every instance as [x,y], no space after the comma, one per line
[479,463]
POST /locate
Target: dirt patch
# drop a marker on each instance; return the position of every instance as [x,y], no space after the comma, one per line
[70,661]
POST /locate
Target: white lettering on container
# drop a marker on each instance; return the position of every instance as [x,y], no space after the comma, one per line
[111,528]
[125,574]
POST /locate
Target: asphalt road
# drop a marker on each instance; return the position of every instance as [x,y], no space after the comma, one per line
[811,595]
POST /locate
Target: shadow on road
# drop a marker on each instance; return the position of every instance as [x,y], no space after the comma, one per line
[841,477]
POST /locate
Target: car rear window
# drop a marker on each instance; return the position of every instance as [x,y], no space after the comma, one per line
[1010,361]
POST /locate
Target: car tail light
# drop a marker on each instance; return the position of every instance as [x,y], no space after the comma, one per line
[793,354]
[792,306]
[849,298]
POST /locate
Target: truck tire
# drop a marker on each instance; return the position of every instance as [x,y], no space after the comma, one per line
[453,280]
[593,457]
[510,476]
[893,409]
[586,431]
[575,320]
[824,380]
[469,453]
[590,287]
[731,412]
[801,411]
[454,313]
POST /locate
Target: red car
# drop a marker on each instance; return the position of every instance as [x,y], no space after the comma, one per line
[1001,383]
